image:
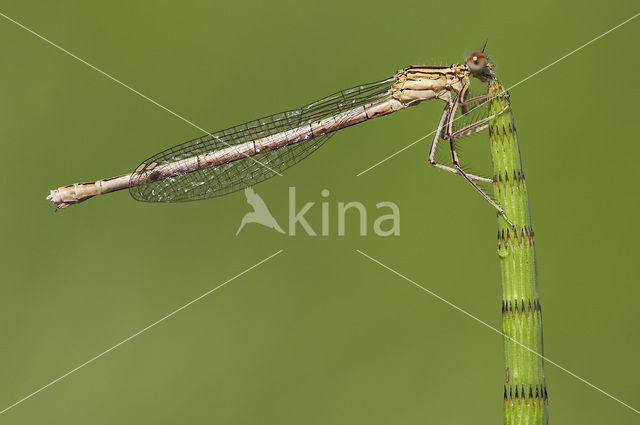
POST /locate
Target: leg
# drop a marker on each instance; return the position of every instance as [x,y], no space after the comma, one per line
[456,162]
[482,97]
[464,102]
[476,126]
[485,196]
[434,145]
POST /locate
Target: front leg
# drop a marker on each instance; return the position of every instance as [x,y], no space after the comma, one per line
[476,126]
[486,97]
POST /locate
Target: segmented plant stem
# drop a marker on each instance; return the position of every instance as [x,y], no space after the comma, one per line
[525,392]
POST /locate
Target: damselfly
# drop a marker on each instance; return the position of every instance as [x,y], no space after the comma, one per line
[233,159]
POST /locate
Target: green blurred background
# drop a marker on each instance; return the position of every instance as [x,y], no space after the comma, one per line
[319,334]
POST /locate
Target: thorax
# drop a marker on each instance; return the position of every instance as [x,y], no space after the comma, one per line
[417,83]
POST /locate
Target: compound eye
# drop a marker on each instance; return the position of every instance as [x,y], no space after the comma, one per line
[476,61]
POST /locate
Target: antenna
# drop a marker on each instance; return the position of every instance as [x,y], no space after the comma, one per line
[485,45]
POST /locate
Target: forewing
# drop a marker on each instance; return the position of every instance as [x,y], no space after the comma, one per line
[248,171]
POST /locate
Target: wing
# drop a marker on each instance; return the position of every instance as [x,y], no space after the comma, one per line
[248,171]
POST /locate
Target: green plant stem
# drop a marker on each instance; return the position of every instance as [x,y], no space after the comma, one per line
[525,392]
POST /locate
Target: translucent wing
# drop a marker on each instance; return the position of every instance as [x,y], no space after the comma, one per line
[248,171]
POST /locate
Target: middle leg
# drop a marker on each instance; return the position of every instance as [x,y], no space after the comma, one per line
[434,144]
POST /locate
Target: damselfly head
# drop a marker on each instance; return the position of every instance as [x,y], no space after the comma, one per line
[480,66]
